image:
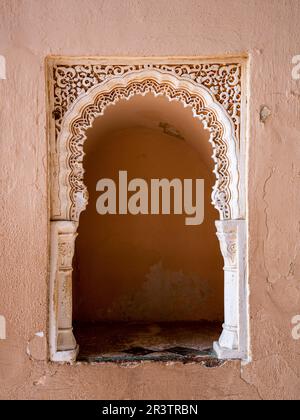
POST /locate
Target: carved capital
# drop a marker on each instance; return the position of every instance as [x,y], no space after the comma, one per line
[66,244]
[227,232]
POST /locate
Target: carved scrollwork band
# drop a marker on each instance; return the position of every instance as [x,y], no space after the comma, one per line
[221,193]
[185,83]
[223,80]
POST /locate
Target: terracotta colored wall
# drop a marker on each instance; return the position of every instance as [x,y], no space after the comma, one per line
[154,267]
[269,32]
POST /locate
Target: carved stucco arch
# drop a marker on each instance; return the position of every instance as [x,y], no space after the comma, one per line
[72,191]
[82,94]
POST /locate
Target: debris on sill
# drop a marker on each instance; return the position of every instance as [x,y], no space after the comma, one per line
[132,343]
[174,354]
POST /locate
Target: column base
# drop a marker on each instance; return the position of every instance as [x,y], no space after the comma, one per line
[224,353]
[68,356]
[66,340]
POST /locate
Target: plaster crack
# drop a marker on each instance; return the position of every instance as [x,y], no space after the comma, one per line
[253,386]
[266,206]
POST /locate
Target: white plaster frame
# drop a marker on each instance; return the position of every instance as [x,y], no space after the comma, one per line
[215,91]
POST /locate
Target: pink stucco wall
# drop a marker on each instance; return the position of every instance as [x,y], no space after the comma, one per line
[266,30]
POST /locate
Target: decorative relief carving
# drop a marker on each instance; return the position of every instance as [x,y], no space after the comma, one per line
[228,237]
[74,112]
[221,192]
[223,80]
[72,81]
[66,251]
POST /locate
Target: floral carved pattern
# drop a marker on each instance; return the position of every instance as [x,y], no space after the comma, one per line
[228,236]
[71,82]
[221,193]
[223,80]
[65,252]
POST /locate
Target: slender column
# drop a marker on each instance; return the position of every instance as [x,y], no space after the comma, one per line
[63,345]
[229,233]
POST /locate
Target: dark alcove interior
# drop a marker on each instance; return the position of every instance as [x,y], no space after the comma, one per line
[147,287]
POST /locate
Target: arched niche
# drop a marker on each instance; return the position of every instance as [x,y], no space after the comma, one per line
[69,195]
[145,271]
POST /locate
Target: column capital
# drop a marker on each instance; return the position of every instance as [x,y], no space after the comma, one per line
[227,232]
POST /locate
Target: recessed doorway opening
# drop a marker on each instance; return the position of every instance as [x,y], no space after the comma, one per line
[147,286]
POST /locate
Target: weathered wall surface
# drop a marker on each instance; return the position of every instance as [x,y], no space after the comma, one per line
[269,32]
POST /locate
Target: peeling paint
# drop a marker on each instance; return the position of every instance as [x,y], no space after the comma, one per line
[2,67]
[2,328]
[41,381]
[265,113]
[37,347]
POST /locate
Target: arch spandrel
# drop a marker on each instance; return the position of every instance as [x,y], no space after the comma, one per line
[71,191]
